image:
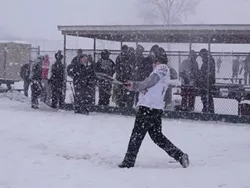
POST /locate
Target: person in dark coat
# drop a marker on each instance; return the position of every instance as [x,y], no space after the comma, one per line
[36,78]
[189,73]
[76,58]
[25,75]
[56,80]
[123,74]
[91,66]
[149,60]
[139,67]
[106,66]
[132,64]
[207,80]
[82,75]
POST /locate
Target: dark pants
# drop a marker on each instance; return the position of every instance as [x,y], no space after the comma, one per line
[26,84]
[149,120]
[82,99]
[136,98]
[188,99]
[36,90]
[208,102]
[57,95]
[104,93]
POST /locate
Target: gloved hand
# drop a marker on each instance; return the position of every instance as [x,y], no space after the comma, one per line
[128,85]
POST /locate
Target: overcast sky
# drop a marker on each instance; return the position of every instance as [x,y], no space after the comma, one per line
[39,18]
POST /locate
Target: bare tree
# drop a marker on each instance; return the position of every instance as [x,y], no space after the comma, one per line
[167,11]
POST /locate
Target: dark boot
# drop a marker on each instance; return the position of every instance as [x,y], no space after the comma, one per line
[128,161]
[184,161]
[126,164]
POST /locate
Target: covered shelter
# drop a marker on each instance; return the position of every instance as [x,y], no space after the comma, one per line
[195,33]
[209,34]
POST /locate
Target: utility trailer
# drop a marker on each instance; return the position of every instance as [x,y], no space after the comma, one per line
[12,56]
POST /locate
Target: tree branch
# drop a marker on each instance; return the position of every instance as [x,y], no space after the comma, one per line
[169,11]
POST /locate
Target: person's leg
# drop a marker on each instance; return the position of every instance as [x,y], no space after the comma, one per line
[84,100]
[184,99]
[136,138]
[106,95]
[204,100]
[34,95]
[155,132]
[49,93]
[211,104]
[60,97]
[191,101]
[77,99]
[26,87]
[101,96]
[54,96]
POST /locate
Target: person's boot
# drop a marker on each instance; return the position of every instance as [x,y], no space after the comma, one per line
[34,106]
[128,161]
[126,164]
[184,160]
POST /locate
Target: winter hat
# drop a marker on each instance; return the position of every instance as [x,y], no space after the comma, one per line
[124,48]
[162,54]
[203,52]
[82,55]
[161,60]
[79,51]
[192,53]
[139,48]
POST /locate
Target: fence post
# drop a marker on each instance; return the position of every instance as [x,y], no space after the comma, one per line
[38,50]
[65,66]
[179,64]
[94,49]
[208,73]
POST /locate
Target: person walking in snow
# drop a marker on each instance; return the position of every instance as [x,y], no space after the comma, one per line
[149,115]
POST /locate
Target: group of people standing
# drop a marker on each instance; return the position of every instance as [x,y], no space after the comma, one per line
[197,81]
[46,80]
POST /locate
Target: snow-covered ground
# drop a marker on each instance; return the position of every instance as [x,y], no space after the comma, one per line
[43,148]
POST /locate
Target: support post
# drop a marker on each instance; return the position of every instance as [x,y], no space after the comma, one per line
[5,60]
[38,50]
[64,50]
[95,98]
[179,65]
[190,45]
[64,65]
[94,49]
[208,73]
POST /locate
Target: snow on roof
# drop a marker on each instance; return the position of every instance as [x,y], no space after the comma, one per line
[14,41]
[226,33]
